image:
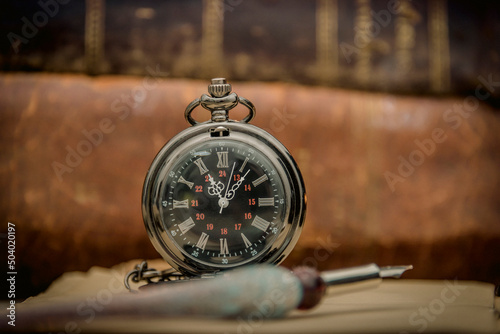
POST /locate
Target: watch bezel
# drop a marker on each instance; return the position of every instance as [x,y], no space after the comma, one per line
[262,141]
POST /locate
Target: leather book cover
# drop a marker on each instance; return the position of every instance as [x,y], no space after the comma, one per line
[402,46]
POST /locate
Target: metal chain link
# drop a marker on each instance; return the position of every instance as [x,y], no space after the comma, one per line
[141,272]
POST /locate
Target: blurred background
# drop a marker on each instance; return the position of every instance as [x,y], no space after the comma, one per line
[390,107]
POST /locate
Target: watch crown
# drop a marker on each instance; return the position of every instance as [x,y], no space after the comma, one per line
[219,87]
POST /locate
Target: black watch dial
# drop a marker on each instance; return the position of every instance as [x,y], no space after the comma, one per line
[223,203]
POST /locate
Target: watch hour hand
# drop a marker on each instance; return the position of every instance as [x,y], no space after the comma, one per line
[215,188]
[223,201]
[230,194]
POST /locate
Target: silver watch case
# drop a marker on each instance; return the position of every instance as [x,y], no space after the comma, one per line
[200,133]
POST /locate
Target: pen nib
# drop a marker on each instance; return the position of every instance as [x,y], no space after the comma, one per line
[394,271]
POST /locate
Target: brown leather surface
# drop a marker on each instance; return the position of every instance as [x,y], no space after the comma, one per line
[442,217]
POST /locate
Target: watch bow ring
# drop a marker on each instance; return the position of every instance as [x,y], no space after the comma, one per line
[220,101]
[223,193]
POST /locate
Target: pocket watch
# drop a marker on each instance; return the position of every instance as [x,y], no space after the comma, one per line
[223,193]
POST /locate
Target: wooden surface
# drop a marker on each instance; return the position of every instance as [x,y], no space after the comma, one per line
[402,306]
[73,212]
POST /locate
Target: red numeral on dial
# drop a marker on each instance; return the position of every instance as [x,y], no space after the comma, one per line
[248,215]
[200,216]
[198,189]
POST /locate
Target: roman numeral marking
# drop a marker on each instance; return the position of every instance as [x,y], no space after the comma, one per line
[202,242]
[201,165]
[261,179]
[244,164]
[223,246]
[267,201]
[260,223]
[186,225]
[180,204]
[182,180]
[223,160]
[246,241]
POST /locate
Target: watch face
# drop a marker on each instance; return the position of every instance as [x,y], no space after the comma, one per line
[223,202]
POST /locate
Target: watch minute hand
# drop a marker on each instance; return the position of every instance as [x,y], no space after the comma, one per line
[229,181]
